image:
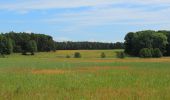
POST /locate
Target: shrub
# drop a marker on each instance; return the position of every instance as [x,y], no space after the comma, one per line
[77,55]
[103,55]
[157,53]
[68,56]
[145,53]
[120,55]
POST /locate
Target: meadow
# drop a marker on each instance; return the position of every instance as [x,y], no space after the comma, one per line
[52,76]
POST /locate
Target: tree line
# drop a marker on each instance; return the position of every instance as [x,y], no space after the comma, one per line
[23,42]
[88,45]
[148,43]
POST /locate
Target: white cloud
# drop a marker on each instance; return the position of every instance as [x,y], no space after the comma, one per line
[103,12]
[51,4]
[112,15]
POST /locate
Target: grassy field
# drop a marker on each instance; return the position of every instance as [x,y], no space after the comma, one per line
[51,76]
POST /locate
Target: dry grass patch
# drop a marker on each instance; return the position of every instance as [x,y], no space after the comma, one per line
[88,69]
[49,71]
[78,69]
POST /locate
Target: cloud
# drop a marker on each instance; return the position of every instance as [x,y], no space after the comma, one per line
[102,11]
[54,4]
[111,15]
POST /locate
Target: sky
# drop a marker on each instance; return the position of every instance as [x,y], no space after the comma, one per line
[84,20]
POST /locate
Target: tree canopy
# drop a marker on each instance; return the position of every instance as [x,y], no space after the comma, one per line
[135,41]
[88,45]
[25,42]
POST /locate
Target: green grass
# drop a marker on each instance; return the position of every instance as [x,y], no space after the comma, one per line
[127,79]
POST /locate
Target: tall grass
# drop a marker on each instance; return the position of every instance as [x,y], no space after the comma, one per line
[135,79]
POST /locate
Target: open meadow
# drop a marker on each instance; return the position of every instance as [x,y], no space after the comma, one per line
[52,76]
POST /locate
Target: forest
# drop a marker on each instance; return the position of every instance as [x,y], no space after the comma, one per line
[25,42]
[144,43]
[88,45]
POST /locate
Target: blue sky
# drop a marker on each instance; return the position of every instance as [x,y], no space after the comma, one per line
[84,20]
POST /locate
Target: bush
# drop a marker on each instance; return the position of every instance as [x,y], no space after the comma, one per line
[157,53]
[145,53]
[77,55]
[148,53]
[103,55]
[120,55]
[68,56]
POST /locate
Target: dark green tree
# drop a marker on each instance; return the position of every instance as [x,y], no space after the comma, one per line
[9,46]
[157,53]
[129,43]
[6,46]
[32,47]
[134,42]
[145,53]
[167,33]
[2,45]
[20,41]
[160,41]
[88,45]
